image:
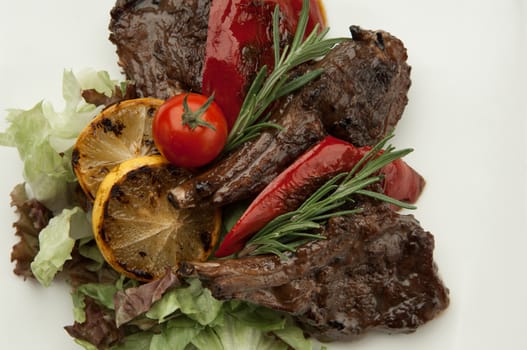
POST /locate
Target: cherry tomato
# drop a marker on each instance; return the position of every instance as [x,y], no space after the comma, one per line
[189,130]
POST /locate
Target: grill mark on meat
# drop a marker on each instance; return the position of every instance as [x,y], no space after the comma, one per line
[360,97]
[375,270]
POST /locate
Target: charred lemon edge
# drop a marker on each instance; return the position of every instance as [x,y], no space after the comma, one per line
[101,200]
[105,113]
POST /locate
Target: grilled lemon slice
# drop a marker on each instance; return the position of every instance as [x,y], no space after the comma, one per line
[138,231]
[120,132]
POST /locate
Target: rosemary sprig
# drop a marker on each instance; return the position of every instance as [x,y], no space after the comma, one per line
[268,87]
[286,232]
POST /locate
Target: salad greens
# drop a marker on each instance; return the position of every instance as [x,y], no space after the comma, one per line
[111,311]
[56,246]
[44,137]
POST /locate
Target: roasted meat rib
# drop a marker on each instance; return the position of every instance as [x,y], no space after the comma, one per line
[247,171]
[375,270]
[360,97]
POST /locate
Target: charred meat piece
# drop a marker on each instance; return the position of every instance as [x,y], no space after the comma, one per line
[375,270]
[359,97]
[363,92]
[161,44]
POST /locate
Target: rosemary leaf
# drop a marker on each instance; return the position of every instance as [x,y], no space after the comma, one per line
[388,199]
[302,25]
[276,34]
[328,187]
[297,83]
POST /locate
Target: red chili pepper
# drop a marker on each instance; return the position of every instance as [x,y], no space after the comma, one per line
[240,42]
[292,187]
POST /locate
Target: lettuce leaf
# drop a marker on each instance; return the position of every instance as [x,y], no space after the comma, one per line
[252,324]
[33,216]
[102,293]
[294,336]
[136,341]
[44,137]
[98,329]
[56,246]
[135,301]
[176,335]
[194,301]
[234,334]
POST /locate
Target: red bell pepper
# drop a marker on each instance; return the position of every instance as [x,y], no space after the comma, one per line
[294,185]
[240,42]
[292,8]
[402,182]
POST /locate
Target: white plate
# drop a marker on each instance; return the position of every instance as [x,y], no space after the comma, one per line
[465,119]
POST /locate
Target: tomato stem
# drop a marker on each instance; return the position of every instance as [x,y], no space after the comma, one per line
[193,119]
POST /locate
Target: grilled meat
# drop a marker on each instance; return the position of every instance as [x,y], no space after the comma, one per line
[161,44]
[375,270]
[363,92]
[359,97]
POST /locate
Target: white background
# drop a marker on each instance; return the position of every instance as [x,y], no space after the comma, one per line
[466,120]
